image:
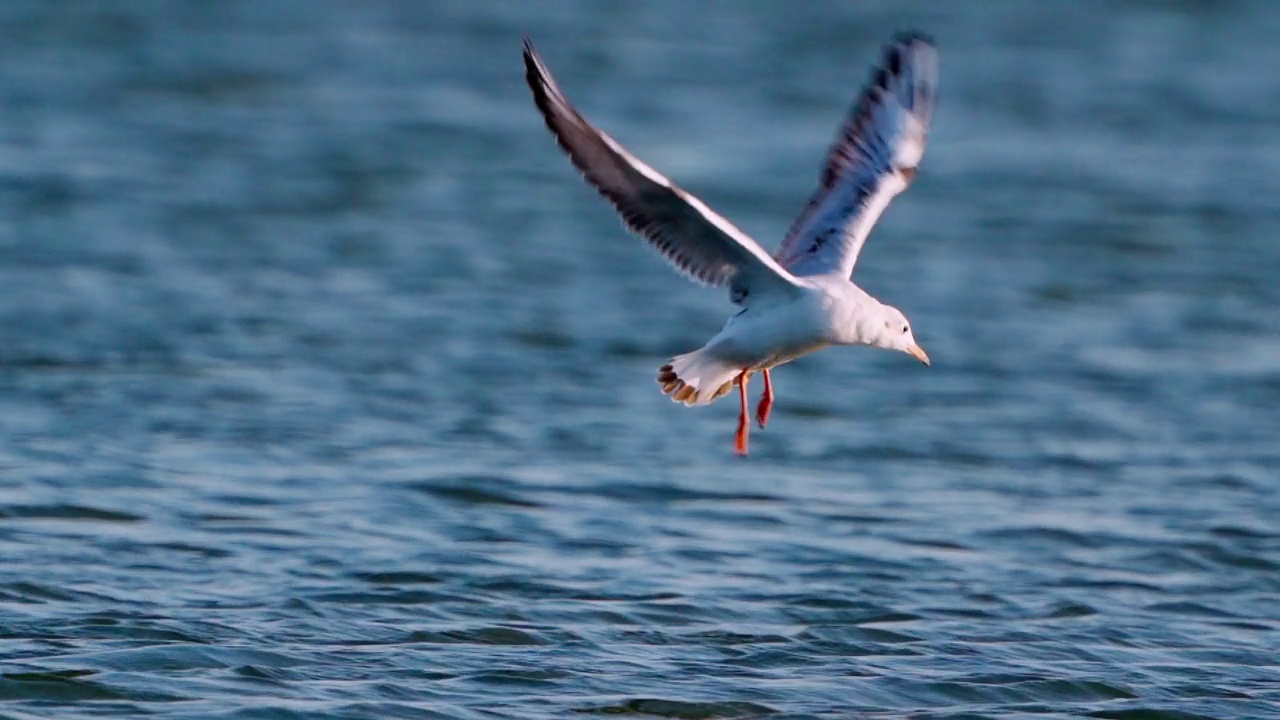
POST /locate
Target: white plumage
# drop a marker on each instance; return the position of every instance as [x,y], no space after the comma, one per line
[802,299]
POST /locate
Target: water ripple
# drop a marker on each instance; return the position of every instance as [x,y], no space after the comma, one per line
[327,388]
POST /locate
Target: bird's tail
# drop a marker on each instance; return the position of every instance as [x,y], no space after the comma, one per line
[697,378]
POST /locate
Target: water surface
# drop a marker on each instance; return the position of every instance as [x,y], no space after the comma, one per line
[327,387]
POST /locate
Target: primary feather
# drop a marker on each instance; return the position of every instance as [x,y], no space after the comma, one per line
[700,243]
[874,158]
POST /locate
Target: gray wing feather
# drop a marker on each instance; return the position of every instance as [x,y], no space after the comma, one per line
[698,242]
[874,158]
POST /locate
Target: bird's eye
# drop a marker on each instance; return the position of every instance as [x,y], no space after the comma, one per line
[905,328]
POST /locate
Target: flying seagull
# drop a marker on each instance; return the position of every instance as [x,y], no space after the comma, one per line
[800,299]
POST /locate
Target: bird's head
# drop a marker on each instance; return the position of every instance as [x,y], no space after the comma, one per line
[896,335]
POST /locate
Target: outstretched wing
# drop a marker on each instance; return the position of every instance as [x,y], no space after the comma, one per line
[701,244]
[873,159]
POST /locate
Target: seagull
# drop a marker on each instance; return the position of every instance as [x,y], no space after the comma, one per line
[802,298]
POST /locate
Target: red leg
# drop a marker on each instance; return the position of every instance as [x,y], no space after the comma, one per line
[740,440]
[766,402]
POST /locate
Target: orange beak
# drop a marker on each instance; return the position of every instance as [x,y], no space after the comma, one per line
[918,353]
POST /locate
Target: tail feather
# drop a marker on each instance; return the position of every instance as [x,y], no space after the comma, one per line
[697,378]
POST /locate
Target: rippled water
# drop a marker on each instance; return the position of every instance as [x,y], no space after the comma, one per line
[327,388]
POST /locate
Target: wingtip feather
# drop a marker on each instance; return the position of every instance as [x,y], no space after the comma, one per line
[911,36]
[880,147]
[700,244]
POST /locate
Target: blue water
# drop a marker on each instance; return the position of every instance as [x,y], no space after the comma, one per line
[327,389]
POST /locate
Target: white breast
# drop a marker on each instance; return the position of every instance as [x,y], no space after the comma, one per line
[762,337]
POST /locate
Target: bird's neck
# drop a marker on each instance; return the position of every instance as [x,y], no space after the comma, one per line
[859,319]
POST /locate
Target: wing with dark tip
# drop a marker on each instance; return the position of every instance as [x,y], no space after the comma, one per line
[872,160]
[701,244]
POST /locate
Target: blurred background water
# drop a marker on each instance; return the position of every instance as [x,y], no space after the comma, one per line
[327,387]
